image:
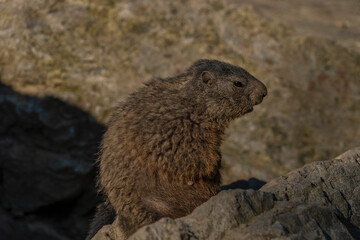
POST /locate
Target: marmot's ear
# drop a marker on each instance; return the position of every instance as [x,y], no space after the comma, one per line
[207,78]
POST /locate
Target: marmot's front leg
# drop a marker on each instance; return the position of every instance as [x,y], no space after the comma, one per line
[104,215]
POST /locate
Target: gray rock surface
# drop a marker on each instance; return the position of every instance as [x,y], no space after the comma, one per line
[333,183]
[317,201]
[47,152]
[291,220]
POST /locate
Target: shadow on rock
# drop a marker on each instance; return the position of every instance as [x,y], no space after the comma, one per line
[47,154]
[252,183]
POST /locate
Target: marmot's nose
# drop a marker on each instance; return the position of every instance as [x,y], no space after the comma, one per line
[262,89]
[264,93]
[259,93]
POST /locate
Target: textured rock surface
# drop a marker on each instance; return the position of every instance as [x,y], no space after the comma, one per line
[47,150]
[289,220]
[318,201]
[332,19]
[91,53]
[332,183]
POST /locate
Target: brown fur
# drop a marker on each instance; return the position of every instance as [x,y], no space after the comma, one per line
[160,156]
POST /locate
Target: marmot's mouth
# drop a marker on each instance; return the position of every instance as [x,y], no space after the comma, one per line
[249,110]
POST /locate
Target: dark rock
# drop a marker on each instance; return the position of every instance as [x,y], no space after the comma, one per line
[47,154]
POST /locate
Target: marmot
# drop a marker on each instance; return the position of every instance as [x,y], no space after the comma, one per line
[160,156]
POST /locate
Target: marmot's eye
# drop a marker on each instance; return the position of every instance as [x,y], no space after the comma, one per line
[238,84]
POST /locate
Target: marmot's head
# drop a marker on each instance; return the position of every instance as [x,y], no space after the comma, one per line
[228,91]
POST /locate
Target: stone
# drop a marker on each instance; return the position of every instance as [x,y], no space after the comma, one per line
[291,220]
[47,154]
[333,183]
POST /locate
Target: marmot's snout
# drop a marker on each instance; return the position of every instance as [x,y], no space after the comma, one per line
[260,91]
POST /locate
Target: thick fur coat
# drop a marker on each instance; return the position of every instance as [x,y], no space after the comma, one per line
[160,156]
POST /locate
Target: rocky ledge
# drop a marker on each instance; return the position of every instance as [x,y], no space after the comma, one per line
[318,201]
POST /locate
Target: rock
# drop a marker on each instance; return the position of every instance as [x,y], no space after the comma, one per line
[317,201]
[333,183]
[290,220]
[47,154]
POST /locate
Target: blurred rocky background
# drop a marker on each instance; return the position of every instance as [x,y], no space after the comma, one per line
[64,65]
